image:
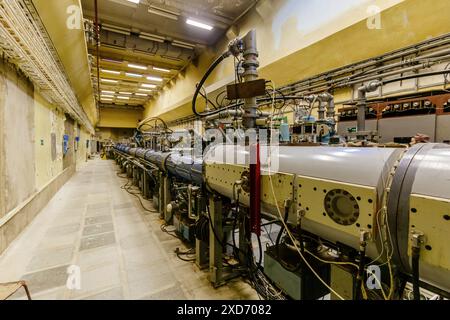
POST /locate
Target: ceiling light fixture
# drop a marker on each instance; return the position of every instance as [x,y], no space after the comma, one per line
[123,98]
[116,29]
[134,1]
[152,37]
[163,12]
[158,79]
[133,75]
[136,66]
[125,93]
[109,80]
[183,44]
[145,90]
[106,99]
[199,24]
[110,71]
[141,94]
[105,91]
[145,85]
[161,69]
[111,60]
[106,96]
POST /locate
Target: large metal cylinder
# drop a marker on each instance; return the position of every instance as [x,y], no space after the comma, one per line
[327,181]
[338,192]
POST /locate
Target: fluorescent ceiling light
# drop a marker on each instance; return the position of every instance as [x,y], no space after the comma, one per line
[158,79]
[161,69]
[183,44]
[163,12]
[125,93]
[106,99]
[110,71]
[109,80]
[111,60]
[116,29]
[199,24]
[141,94]
[133,75]
[145,90]
[105,91]
[134,1]
[107,96]
[152,37]
[145,85]
[136,66]
[123,98]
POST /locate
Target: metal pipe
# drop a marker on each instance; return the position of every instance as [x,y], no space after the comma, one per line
[324,99]
[250,66]
[362,103]
[375,61]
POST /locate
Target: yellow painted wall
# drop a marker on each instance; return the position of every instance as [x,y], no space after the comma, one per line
[48,120]
[119,118]
[292,49]
[82,150]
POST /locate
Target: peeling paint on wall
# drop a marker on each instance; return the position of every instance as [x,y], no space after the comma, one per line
[48,121]
[17,152]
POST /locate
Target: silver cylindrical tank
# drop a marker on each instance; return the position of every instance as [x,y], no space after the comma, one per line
[420,177]
[419,204]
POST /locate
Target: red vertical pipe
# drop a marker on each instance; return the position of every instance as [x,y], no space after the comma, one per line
[255,189]
[97,33]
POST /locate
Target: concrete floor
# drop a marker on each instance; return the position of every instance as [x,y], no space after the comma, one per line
[93,224]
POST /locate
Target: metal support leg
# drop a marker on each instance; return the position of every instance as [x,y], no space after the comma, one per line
[161,195]
[166,199]
[145,189]
[243,231]
[215,248]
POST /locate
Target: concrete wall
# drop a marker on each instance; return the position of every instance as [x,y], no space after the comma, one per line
[49,130]
[31,159]
[17,152]
[298,39]
[83,151]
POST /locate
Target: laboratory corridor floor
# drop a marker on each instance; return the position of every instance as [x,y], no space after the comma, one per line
[95,241]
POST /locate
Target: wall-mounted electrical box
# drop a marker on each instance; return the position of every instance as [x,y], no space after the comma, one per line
[65,144]
[77,140]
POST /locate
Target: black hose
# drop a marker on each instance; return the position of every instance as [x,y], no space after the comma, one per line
[359,279]
[277,242]
[415,272]
[202,82]
[234,228]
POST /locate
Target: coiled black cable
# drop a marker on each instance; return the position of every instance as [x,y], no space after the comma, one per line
[277,244]
[201,84]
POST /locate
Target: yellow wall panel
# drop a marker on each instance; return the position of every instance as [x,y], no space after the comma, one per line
[291,50]
[48,120]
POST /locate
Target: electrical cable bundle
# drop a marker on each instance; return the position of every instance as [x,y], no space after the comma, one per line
[129,188]
[201,229]
[190,254]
